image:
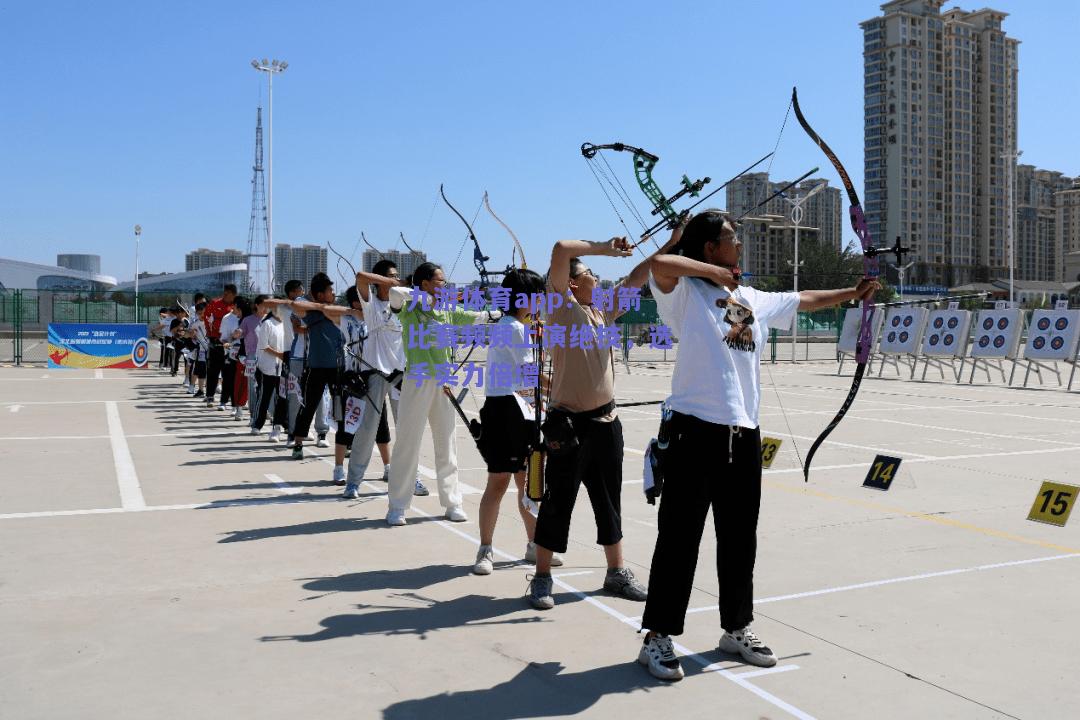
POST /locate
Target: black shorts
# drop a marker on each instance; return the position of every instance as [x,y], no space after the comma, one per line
[506,438]
[200,369]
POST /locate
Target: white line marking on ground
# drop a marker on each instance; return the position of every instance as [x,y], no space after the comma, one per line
[98,374]
[281,484]
[764,671]
[14,408]
[893,581]
[572,574]
[131,497]
[249,502]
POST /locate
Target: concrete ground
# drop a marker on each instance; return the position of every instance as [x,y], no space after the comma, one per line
[157,561]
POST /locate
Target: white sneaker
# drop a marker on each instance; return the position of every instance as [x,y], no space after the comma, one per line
[485,561]
[658,655]
[322,442]
[745,643]
[311,435]
[530,556]
[255,431]
[275,435]
[395,518]
[221,406]
[386,473]
[339,474]
[238,413]
[455,513]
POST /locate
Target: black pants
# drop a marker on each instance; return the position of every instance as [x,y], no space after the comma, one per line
[268,394]
[161,358]
[228,380]
[596,463]
[214,364]
[314,381]
[699,473]
[175,347]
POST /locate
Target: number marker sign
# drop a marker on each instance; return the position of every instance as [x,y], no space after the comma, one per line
[882,472]
[769,448]
[1054,503]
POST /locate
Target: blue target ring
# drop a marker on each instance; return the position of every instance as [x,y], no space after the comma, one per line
[984,341]
[1044,323]
[896,321]
[908,320]
[1062,323]
[892,337]
[953,322]
[140,352]
[1003,323]
[1057,343]
[939,322]
[999,341]
[934,340]
[988,323]
[903,337]
[948,340]
[1039,343]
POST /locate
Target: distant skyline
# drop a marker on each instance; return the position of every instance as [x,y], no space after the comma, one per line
[123,113]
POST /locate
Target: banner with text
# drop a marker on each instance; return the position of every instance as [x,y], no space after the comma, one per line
[77,345]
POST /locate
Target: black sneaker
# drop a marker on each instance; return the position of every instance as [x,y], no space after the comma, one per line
[298,452]
[198,394]
[622,582]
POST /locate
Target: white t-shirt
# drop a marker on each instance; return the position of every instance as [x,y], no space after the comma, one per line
[513,357]
[269,334]
[717,374]
[298,349]
[354,331]
[383,349]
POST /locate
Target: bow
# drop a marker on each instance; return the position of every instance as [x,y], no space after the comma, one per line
[644,164]
[366,242]
[517,245]
[871,270]
[408,247]
[479,258]
[342,257]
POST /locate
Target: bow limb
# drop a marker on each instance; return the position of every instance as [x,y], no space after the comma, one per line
[341,257]
[366,242]
[479,259]
[517,243]
[870,271]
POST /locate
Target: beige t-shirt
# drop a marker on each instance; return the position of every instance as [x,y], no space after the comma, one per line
[583,379]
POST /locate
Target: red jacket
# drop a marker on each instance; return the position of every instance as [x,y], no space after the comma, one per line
[215,312]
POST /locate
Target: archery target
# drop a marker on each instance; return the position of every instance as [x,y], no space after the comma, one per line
[904,330]
[997,334]
[140,352]
[849,334]
[1053,335]
[947,333]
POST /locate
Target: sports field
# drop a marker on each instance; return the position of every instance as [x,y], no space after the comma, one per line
[156,561]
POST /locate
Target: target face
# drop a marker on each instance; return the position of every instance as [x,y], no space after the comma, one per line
[908,320]
[896,321]
[953,322]
[1044,323]
[939,323]
[999,341]
[140,352]
[904,336]
[934,339]
[1062,323]
[988,323]
[892,337]
[1057,343]
[1003,323]
[984,341]
[1039,343]
[948,340]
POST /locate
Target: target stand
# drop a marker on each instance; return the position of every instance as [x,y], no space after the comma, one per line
[1052,338]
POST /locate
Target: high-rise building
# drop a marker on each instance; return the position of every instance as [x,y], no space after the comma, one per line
[769,244]
[939,131]
[1067,223]
[203,258]
[824,210]
[299,263]
[406,262]
[1039,248]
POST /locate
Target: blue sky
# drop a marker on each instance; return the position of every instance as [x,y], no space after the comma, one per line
[113,114]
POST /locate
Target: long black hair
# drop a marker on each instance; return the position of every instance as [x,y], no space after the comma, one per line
[706,226]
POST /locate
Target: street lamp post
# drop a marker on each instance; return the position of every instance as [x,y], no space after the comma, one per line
[1010,212]
[900,270]
[796,219]
[271,68]
[138,235]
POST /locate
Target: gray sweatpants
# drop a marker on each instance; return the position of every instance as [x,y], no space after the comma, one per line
[364,438]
